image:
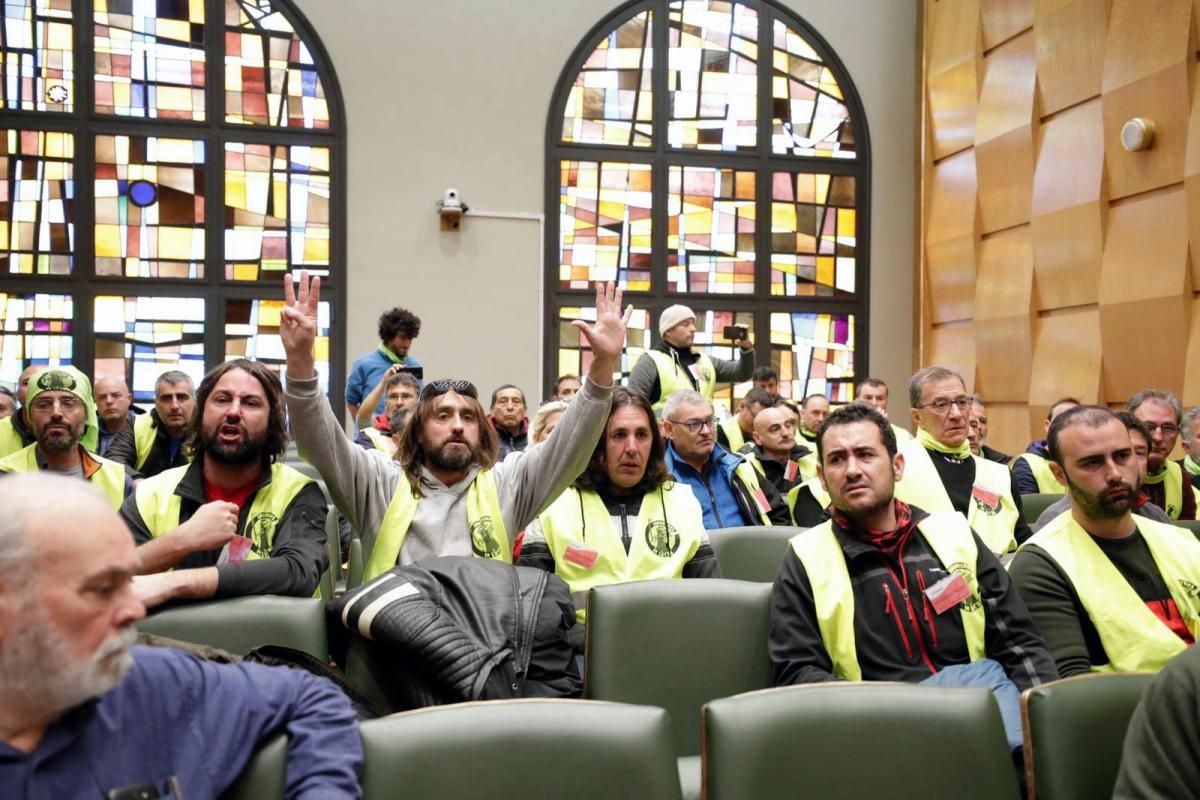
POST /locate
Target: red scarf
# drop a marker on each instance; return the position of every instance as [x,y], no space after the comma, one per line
[889,542]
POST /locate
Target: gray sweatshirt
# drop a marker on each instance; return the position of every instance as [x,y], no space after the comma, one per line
[362,484]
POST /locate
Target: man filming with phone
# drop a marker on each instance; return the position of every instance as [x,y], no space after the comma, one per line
[672,365]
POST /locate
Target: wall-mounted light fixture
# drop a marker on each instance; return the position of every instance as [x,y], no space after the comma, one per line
[1137,134]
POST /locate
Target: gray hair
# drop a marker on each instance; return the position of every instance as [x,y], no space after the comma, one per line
[1189,424]
[916,384]
[1166,398]
[25,497]
[684,397]
[174,376]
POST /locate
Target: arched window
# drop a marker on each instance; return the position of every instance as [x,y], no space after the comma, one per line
[162,164]
[715,154]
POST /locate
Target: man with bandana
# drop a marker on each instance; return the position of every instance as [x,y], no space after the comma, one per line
[62,416]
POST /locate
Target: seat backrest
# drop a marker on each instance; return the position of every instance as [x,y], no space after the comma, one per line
[241,624]
[1191,524]
[854,740]
[677,644]
[527,749]
[752,553]
[354,575]
[1074,732]
[265,776]
[1034,504]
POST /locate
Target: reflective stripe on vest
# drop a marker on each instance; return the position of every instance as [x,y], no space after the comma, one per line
[749,477]
[160,507]
[10,441]
[110,478]
[993,512]
[488,536]
[833,596]
[733,433]
[144,432]
[1171,478]
[806,466]
[588,550]
[1040,467]
[382,441]
[814,488]
[1133,637]
[671,378]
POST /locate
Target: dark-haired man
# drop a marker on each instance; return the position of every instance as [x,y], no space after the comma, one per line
[1109,591]
[766,379]
[624,519]
[508,420]
[397,329]
[566,387]
[885,591]
[735,432]
[14,430]
[154,443]
[451,497]
[1165,482]
[813,411]
[874,392]
[236,521]
[977,433]
[1031,470]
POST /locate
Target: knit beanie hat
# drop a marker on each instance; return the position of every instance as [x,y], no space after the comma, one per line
[672,317]
[68,379]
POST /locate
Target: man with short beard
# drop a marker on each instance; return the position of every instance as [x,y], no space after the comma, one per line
[1109,591]
[83,713]
[154,442]
[62,417]
[235,521]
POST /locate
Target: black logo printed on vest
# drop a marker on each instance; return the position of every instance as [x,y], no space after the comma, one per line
[972,603]
[662,538]
[483,543]
[260,530]
[55,380]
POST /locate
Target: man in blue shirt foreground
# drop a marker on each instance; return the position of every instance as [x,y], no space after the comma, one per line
[82,713]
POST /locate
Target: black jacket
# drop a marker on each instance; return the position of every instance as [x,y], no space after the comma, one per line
[123,450]
[776,473]
[893,645]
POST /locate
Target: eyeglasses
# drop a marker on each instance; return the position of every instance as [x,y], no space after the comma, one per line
[942,406]
[1168,430]
[437,388]
[694,426]
[68,403]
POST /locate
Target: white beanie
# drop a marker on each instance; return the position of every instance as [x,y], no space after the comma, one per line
[672,317]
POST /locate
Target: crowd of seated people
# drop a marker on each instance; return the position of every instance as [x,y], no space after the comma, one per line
[909,556]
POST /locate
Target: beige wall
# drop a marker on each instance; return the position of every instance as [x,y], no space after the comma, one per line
[456,94]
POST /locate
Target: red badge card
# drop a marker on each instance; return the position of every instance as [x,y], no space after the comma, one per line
[235,550]
[790,471]
[986,497]
[948,592]
[581,555]
[761,499]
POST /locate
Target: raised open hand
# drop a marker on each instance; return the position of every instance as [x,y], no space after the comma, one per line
[606,336]
[298,323]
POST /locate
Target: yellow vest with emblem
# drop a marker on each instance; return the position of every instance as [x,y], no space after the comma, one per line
[833,596]
[815,489]
[1171,477]
[921,486]
[806,466]
[489,539]
[577,526]
[1134,639]
[110,478]
[383,443]
[1040,467]
[160,507]
[10,440]
[144,432]
[749,476]
[733,433]
[671,378]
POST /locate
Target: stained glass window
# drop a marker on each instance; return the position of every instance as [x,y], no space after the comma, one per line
[604,224]
[710,337]
[149,207]
[139,338]
[276,210]
[611,101]
[34,329]
[37,55]
[710,236]
[150,58]
[813,235]
[270,75]
[37,226]
[574,355]
[809,114]
[814,354]
[252,331]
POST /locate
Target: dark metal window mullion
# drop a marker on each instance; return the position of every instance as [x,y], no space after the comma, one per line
[83,353]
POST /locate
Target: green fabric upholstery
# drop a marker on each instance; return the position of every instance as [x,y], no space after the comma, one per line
[1034,504]
[329,578]
[752,553]
[857,740]
[1191,524]
[677,644]
[526,749]
[1074,732]
[357,563]
[241,624]
[265,775]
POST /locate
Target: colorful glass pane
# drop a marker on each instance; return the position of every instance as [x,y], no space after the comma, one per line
[710,234]
[710,338]
[34,329]
[37,55]
[712,75]
[270,75]
[813,235]
[37,202]
[149,207]
[276,210]
[604,225]
[809,115]
[252,331]
[150,58]
[611,101]
[139,338]
[574,355]
[814,354]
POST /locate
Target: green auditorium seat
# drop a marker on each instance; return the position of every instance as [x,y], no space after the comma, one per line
[526,749]
[1191,524]
[241,624]
[354,576]
[857,740]
[753,553]
[1034,504]
[265,775]
[1074,732]
[678,644]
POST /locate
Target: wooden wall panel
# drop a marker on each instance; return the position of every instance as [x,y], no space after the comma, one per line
[1004,134]
[1070,38]
[1191,374]
[1004,19]
[952,198]
[1191,171]
[950,268]
[953,346]
[1145,344]
[1066,358]
[1008,428]
[1003,327]
[953,75]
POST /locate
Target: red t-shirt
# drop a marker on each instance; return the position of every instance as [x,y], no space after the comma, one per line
[237,495]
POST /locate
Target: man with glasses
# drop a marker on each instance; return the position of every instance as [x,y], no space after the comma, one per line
[941,473]
[1161,412]
[1191,445]
[451,496]
[62,416]
[727,486]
